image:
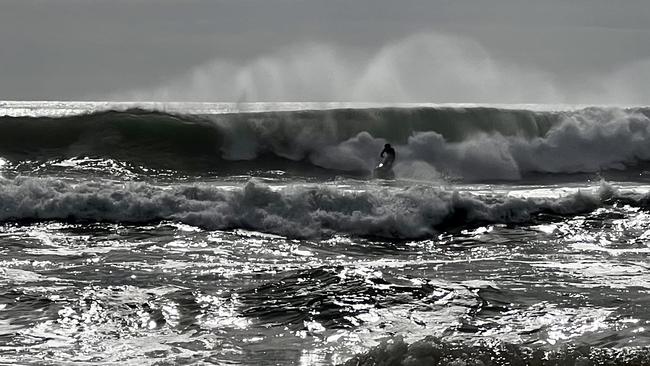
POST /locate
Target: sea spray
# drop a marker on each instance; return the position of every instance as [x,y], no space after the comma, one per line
[296,211]
[469,144]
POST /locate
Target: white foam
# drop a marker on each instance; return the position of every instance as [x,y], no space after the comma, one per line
[293,211]
[583,142]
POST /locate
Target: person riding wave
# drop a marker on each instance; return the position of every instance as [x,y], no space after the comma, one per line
[390,155]
[385,169]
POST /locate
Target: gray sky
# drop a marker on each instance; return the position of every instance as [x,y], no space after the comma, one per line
[157,49]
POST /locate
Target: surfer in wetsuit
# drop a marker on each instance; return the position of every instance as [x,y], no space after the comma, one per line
[385,169]
[390,155]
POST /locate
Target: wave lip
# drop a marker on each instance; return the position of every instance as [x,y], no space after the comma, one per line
[295,211]
[470,144]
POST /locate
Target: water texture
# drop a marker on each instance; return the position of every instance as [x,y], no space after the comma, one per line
[255,235]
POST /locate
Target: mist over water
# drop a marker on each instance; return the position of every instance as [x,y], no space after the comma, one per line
[425,67]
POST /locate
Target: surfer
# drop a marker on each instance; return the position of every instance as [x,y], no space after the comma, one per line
[385,169]
[390,156]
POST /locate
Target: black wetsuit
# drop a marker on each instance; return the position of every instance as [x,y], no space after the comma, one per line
[391,155]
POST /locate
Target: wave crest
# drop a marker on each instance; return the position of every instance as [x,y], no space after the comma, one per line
[473,144]
[299,211]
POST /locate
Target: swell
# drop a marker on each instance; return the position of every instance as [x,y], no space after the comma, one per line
[468,143]
[138,134]
[128,135]
[295,211]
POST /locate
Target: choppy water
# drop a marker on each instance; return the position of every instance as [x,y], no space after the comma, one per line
[110,258]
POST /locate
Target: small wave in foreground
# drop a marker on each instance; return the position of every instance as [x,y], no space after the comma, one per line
[296,211]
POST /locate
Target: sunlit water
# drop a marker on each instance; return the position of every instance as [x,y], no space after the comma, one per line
[179,294]
[150,238]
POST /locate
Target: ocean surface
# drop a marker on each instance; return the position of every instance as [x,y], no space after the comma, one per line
[255,234]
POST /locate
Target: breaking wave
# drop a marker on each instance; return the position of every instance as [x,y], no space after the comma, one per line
[472,144]
[296,211]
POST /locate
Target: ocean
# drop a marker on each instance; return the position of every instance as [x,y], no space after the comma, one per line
[255,234]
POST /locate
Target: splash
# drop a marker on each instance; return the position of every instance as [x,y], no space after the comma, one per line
[295,211]
[421,68]
[468,144]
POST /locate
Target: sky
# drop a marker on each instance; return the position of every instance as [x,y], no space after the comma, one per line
[507,51]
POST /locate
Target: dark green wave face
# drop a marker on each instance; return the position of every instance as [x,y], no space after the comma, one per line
[466,144]
[138,127]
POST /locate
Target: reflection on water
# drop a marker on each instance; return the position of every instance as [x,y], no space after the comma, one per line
[143,294]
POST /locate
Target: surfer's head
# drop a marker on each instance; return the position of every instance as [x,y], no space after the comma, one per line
[386,146]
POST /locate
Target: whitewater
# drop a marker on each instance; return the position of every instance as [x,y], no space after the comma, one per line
[255,234]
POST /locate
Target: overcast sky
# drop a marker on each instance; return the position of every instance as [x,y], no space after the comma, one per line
[161,49]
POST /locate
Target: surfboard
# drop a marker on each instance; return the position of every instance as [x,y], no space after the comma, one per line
[383,171]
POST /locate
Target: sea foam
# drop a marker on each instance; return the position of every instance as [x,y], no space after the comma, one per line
[470,144]
[295,211]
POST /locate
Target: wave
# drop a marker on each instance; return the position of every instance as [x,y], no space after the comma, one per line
[472,144]
[433,351]
[295,211]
